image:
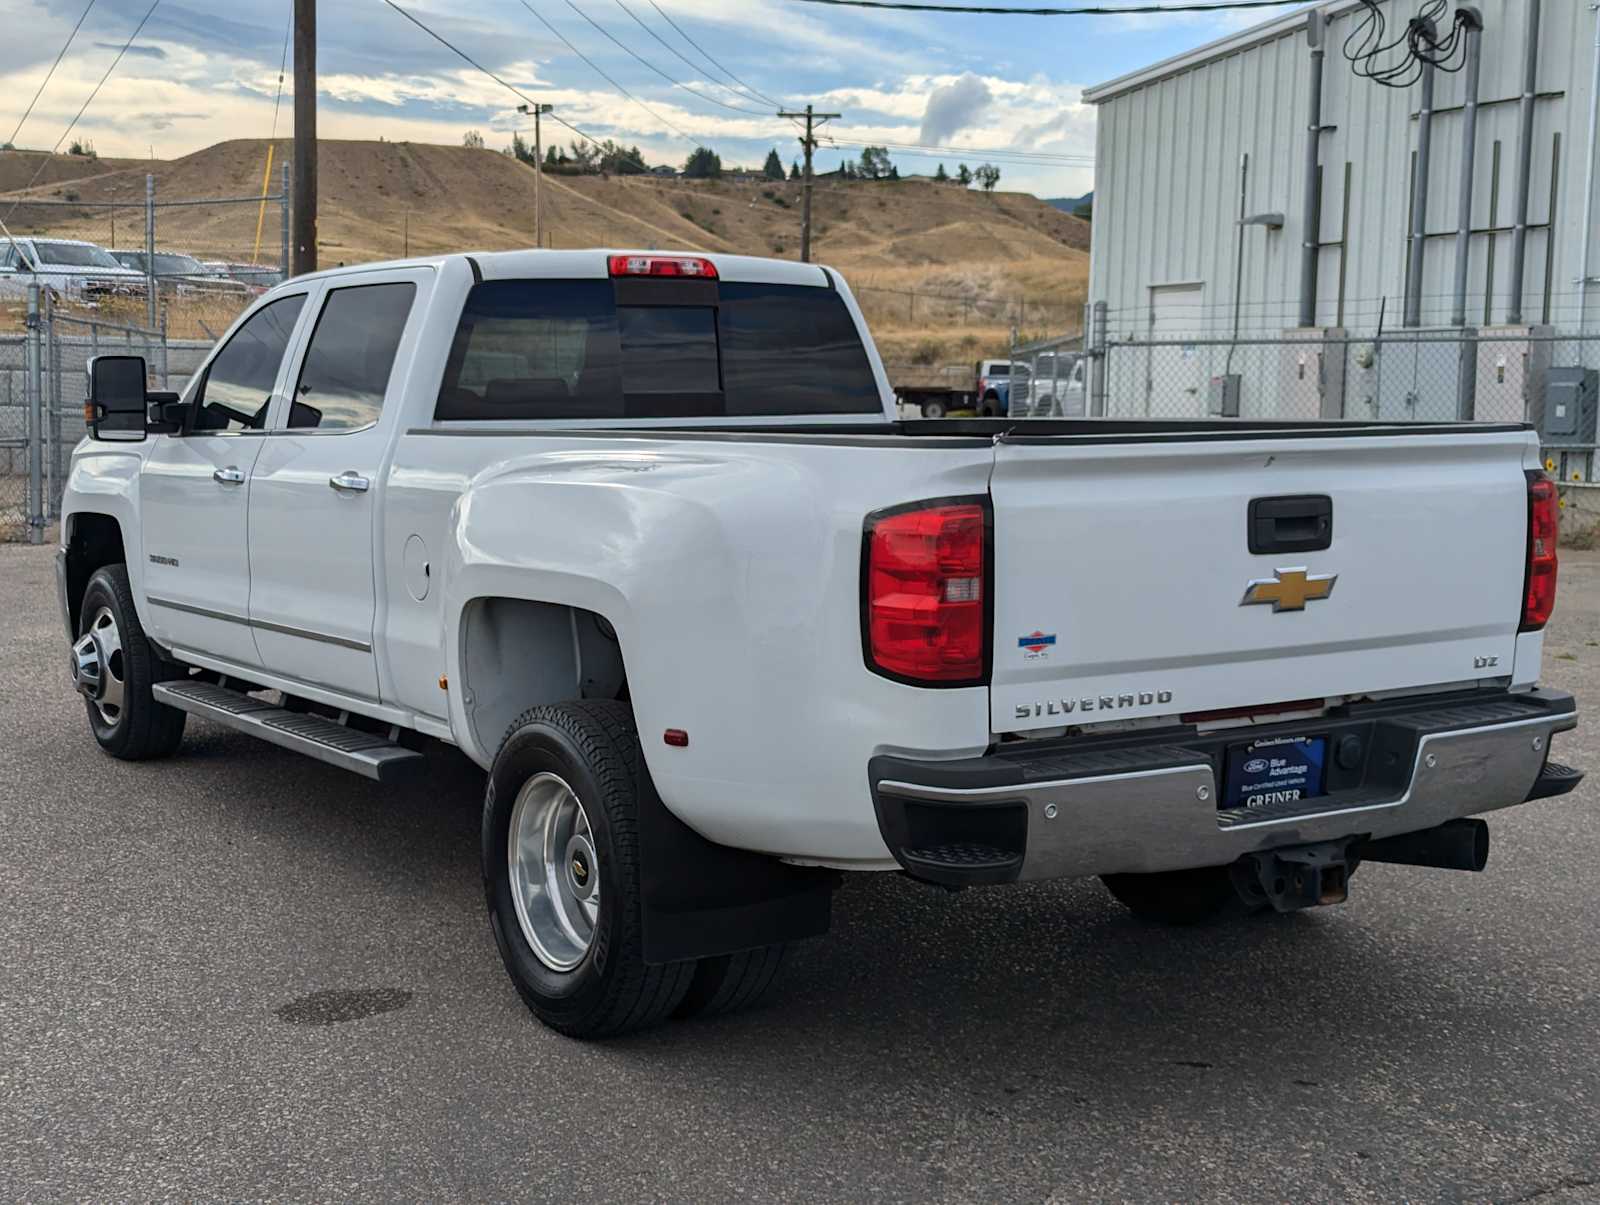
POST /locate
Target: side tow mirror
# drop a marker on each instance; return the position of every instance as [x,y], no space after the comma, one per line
[116,408]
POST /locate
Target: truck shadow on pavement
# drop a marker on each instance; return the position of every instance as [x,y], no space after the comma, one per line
[1009,995]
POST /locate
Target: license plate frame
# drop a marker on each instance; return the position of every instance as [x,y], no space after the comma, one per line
[1274,771]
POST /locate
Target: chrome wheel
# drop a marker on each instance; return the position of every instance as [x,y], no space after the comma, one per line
[555,872]
[98,668]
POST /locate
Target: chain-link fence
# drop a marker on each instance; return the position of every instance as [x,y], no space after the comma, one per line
[43,382]
[112,249]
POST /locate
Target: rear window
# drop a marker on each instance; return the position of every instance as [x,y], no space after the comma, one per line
[552,349]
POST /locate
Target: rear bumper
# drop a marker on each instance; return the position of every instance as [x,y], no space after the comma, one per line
[1139,803]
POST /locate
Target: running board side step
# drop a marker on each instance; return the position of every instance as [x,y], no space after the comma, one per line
[348,748]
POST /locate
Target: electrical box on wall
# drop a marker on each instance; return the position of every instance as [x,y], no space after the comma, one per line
[1568,413]
[1222,400]
[1511,368]
[1426,375]
[1311,371]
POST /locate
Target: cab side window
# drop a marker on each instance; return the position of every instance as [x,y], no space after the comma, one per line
[351,356]
[236,389]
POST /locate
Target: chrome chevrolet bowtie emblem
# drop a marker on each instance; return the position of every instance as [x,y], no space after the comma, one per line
[1289,589]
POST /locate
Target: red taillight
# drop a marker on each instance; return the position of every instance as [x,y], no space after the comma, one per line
[1539,597]
[663,265]
[925,574]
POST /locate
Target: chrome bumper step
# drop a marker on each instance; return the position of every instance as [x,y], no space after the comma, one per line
[365,753]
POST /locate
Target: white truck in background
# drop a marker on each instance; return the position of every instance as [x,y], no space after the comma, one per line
[640,534]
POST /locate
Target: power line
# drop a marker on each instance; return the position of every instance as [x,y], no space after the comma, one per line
[65,46]
[45,161]
[688,62]
[283,65]
[675,83]
[595,66]
[512,88]
[1083,10]
[713,61]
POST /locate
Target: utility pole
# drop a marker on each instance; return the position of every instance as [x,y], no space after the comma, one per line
[809,142]
[534,111]
[305,137]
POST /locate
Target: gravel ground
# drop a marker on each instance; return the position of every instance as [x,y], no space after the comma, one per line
[243,974]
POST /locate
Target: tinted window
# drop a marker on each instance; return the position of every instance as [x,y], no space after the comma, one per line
[237,388]
[793,349]
[565,349]
[668,349]
[534,349]
[347,366]
[999,369]
[8,255]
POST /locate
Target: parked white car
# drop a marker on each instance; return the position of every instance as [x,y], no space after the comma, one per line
[1053,385]
[640,534]
[77,271]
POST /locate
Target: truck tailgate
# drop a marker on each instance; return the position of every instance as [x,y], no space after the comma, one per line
[1122,570]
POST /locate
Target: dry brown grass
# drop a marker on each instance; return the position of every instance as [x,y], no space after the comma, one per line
[1022,261]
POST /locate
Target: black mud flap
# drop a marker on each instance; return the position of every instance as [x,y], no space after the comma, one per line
[701,899]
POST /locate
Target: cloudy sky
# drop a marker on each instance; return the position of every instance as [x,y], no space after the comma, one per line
[202,71]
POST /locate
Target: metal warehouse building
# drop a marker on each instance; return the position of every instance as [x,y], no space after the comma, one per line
[1259,247]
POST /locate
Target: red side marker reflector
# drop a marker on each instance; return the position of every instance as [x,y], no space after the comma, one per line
[663,265]
[676,737]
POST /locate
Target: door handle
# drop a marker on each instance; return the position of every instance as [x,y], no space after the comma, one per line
[350,482]
[232,475]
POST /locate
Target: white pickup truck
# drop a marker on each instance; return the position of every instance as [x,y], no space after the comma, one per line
[640,535]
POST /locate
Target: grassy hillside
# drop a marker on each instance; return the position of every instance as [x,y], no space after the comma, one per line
[1015,256]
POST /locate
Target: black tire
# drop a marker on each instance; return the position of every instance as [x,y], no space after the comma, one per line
[731,982]
[1174,897]
[991,405]
[144,729]
[933,410]
[594,748]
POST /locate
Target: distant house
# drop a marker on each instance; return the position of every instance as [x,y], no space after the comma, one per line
[663,169]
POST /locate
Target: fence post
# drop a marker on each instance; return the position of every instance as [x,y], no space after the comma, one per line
[162,354]
[35,391]
[1097,362]
[150,250]
[283,209]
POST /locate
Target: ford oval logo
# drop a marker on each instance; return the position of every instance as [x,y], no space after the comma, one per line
[1255,765]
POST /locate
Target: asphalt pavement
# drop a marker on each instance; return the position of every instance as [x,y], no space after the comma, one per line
[242,974]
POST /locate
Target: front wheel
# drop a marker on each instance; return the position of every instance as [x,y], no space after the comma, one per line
[933,410]
[114,665]
[1174,897]
[561,872]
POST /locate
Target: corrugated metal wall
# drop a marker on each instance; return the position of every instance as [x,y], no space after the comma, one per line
[1168,177]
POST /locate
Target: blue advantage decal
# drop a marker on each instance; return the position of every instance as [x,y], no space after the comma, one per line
[1275,771]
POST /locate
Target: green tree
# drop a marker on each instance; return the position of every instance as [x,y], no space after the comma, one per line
[773,168]
[703,163]
[472,139]
[794,170]
[963,175]
[585,158]
[941,175]
[875,163]
[894,172]
[522,149]
[554,157]
[988,176]
[618,160]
